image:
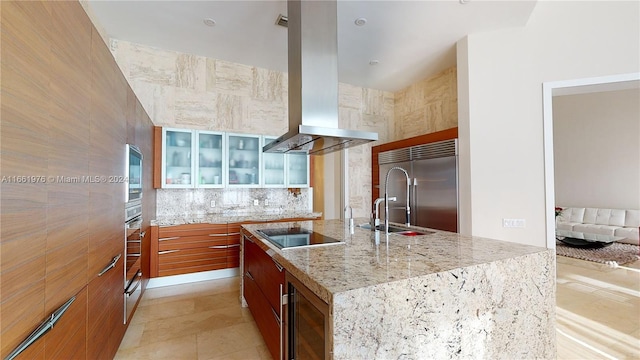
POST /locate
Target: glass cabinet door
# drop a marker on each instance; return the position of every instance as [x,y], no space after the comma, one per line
[298,169]
[273,167]
[177,160]
[244,160]
[209,163]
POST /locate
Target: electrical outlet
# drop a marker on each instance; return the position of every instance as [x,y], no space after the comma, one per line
[213,203]
[256,202]
[266,202]
[513,223]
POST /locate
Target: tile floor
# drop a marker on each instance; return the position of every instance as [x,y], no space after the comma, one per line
[595,304]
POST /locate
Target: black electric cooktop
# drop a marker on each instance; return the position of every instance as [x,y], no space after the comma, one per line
[292,237]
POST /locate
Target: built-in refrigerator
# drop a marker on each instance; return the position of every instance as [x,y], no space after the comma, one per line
[433,190]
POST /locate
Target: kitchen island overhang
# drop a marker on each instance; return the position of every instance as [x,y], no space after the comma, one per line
[442,295]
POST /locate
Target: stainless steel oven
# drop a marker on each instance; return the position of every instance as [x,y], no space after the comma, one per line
[133,263]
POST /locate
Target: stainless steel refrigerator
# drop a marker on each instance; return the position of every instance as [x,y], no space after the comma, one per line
[433,194]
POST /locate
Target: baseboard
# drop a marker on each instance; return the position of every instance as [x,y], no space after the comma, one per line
[190,278]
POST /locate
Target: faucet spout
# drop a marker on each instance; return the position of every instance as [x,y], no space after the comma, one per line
[386,197]
[376,212]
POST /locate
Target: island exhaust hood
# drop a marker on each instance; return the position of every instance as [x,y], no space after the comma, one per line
[313,83]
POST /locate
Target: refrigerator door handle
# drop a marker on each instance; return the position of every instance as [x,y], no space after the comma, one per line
[414,200]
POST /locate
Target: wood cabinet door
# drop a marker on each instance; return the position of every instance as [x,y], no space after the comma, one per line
[265,316]
[105,313]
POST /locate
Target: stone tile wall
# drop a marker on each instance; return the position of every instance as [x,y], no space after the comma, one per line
[190,91]
[427,106]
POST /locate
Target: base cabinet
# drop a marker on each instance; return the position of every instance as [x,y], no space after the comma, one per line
[263,289]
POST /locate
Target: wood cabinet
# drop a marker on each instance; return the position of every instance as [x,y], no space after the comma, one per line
[67,112]
[185,158]
[263,289]
[190,248]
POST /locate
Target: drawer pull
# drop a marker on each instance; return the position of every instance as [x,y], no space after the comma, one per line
[111,265]
[218,235]
[42,329]
[248,238]
[280,268]
[218,247]
[248,274]
[169,238]
[232,234]
[233,245]
[167,252]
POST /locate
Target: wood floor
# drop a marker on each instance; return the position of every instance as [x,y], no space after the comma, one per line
[596,305]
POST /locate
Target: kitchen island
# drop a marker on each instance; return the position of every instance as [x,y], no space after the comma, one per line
[440,295]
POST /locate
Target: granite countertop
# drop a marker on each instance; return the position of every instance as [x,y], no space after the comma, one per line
[359,262]
[231,217]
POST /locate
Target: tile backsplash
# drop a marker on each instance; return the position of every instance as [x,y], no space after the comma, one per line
[197,202]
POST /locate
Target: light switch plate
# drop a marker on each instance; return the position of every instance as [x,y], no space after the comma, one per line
[266,202]
[213,203]
[256,202]
[513,223]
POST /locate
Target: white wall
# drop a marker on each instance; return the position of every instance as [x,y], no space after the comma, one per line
[503,141]
[596,143]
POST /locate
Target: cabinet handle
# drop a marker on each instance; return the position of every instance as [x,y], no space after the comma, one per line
[44,327]
[282,302]
[280,268]
[111,265]
[167,252]
[235,233]
[248,239]
[217,234]
[233,245]
[169,238]
[276,316]
[131,291]
[218,247]
[248,274]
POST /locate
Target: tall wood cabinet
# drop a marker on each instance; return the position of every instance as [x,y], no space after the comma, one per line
[67,112]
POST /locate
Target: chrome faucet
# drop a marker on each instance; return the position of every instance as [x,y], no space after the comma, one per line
[350,214]
[386,197]
[375,216]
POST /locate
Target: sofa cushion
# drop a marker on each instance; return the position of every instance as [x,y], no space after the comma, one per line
[631,233]
[590,215]
[596,229]
[632,218]
[565,225]
[572,215]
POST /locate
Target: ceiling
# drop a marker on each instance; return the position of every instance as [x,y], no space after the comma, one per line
[411,40]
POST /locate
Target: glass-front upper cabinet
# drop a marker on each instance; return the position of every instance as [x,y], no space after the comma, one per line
[177,159]
[211,152]
[273,167]
[244,153]
[298,170]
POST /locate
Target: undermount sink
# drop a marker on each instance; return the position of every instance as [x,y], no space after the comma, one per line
[397,230]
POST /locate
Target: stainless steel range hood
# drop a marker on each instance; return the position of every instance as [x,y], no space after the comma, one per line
[313,83]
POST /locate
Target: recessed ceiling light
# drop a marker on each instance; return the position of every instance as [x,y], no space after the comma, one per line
[373,62]
[209,22]
[360,21]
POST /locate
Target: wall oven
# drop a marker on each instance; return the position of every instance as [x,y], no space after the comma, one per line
[133,262]
[133,230]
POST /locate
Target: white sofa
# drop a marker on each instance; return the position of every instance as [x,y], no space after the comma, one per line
[601,221]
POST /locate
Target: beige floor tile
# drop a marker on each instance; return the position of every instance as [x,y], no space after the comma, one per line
[183,348]
[228,340]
